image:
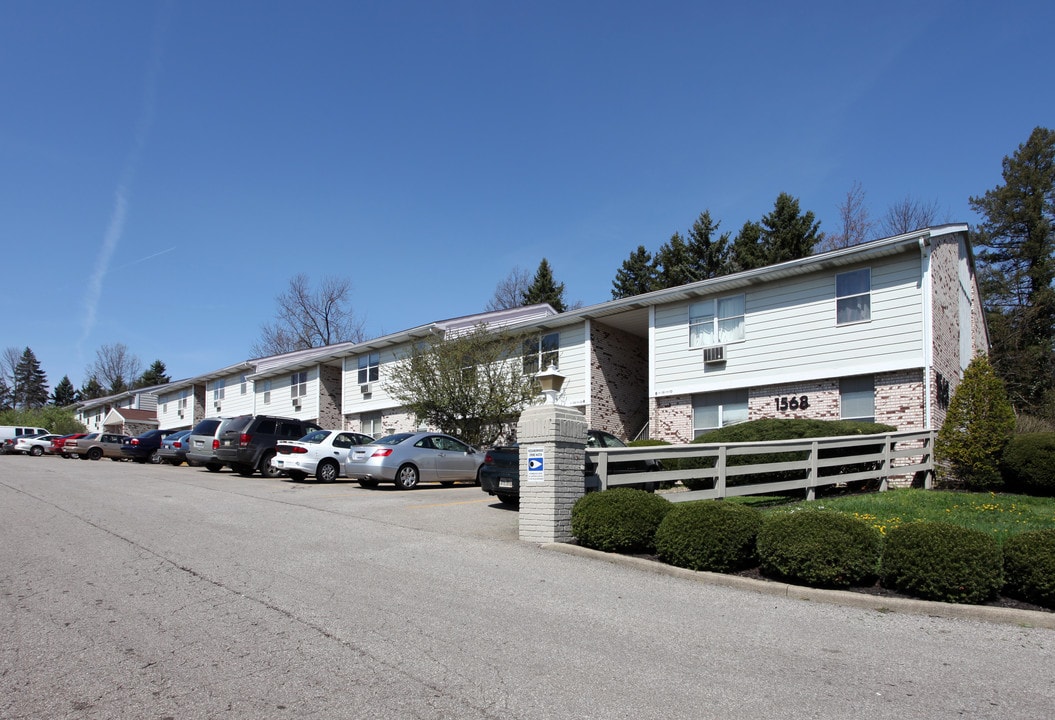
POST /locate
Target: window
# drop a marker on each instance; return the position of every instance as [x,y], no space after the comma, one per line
[541,352]
[370,424]
[369,368]
[711,411]
[183,395]
[218,390]
[716,322]
[298,384]
[267,392]
[242,383]
[857,398]
[853,297]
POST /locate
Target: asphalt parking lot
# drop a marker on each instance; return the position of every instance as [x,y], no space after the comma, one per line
[132,591]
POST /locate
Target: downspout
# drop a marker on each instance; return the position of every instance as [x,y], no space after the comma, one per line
[927,291]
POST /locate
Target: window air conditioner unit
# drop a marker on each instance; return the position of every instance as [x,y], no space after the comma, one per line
[217,406]
[714,354]
[181,414]
[365,389]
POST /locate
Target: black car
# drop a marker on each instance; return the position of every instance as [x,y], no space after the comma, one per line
[247,443]
[145,447]
[500,473]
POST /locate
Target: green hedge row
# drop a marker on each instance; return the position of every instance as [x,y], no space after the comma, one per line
[821,548]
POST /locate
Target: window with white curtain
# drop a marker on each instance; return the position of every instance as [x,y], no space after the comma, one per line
[717,321]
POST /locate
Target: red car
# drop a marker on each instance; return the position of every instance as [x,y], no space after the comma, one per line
[58,444]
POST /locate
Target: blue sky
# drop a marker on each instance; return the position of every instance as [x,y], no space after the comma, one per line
[167,166]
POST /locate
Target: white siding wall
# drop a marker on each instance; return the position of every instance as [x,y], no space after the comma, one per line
[281,400]
[352,400]
[168,410]
[234,402]
[575,366]
[791,334]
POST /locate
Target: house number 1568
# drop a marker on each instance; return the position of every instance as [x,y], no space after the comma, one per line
[792,403]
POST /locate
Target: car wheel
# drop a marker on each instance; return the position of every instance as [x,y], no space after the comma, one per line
[36,451]
[296,475]
[95,453]
[267,469]
[327,472]
[506,499]
[368,483]
[406,477]
[213,467]
[155,458]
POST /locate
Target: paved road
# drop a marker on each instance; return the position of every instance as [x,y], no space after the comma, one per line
[134,591]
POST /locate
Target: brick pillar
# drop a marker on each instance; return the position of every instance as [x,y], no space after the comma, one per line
[556,436]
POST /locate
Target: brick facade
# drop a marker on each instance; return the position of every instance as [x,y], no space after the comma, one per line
[618,381]
[329,397]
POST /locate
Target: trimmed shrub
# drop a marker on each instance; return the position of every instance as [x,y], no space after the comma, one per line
[1028,463]
[1029,567]
[979,424]
[775,429]
[819,548]
[941,561]
[618,520]
[709,535]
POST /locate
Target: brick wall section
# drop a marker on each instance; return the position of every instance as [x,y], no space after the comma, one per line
[618,381]
[329,397]
[823,400]
[671,418]
[393,420]
[199,403]
[945,315]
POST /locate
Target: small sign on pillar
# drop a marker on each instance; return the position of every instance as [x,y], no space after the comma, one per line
[536,465]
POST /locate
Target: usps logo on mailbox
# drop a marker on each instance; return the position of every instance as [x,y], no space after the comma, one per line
[536,465]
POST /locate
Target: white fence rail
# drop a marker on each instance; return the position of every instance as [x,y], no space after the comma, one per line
[774,467]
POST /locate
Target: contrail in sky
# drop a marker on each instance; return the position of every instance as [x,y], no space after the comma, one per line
[116,227]
[144,259]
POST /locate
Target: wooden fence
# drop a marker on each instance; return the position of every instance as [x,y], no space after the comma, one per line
[774,467]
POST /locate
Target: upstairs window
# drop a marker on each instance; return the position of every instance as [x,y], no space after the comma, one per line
[853,297]
[716,322]
[298,384]
[242,384]
[218,390]
[267,392]
[369,368]
[541,352]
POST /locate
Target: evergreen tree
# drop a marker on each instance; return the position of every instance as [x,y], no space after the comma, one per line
[91,389]
[710,255]
[31,383]
[783,234]
[64,393]
[544,289]
[637,275]
[1016,249]
[6,401]
[675,264]
[980,422]
[156,374]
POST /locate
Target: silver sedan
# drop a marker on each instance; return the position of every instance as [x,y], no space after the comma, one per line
[407,459]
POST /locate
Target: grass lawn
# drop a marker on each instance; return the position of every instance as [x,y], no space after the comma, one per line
[1002,515]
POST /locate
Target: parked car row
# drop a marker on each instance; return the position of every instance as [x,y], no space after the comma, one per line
[276,446]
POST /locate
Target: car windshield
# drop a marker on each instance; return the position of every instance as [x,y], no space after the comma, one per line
[394,439]
[315,437]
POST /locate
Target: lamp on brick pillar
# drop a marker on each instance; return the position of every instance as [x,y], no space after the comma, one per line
[551,381]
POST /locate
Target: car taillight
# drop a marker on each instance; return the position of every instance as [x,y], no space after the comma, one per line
[177,444]
[215,443]
[488,460]
[298,450]
[244,439]
[383,452]
[134,441]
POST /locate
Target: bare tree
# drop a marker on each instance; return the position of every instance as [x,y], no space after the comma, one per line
[9,360]
[855,224]
[308,318]
[115,368]
[909,214]
[509,293]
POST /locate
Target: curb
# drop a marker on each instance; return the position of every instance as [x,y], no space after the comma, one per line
[1007,616]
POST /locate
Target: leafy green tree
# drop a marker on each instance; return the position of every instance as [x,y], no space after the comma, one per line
[31,383]
[785,233]
[91,389]
[64,393]
[57,420]
[544,289]
[1016,249]
[978,425]
[636,276]
[471,385]
[156,374]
